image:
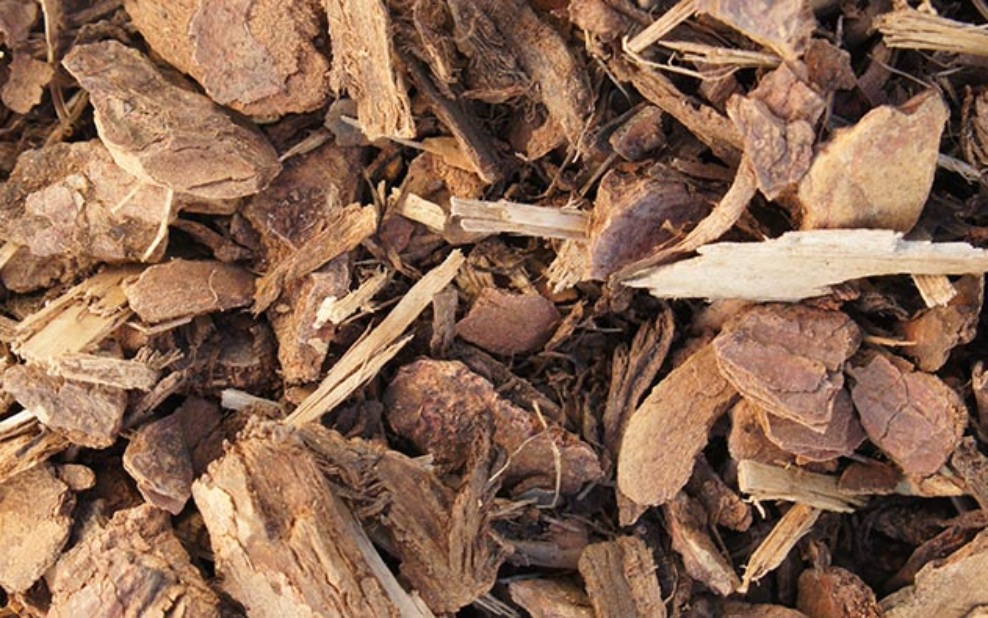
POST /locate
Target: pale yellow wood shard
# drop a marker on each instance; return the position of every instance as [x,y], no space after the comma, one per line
[804,264]
[366,357]
[522,219]
[765,482]
[793,526]
[76,320]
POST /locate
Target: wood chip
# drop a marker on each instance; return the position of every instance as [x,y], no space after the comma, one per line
[158,459]
[524,322]
[36,517]
[443,536]
[366,357]
[437,406]
[314,558]
[185,288]
[952,587]
[703,560]
[87,414]
[764,482]
[833,591]
[677,413]
[914,417]
[878,173]
[789,359]
[27,447]
[127,374]
[794,525]
[165,135]
[620,579]
[363,66]
[134,560]
[804,264]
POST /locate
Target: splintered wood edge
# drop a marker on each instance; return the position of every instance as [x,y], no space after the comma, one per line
[665,24]
[804,264]
[522,219]
[791,527]
[367,356]
[765,482]
[912,29]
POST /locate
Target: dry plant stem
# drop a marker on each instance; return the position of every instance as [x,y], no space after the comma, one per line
[418,209]
[793,526]
[765,482]
[912,29]
[805,264]
[679,13]
[335,310]
[523,219]
[719,221]
[722,56]
[356,365]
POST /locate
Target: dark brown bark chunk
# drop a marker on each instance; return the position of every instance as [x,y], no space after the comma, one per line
[633,215]
[134,561]
[687,521]
[185,288]
[938,330]
[437,405]
[841,436]
[165,135]
[35,516]
[158,460]
[550,598]
[914,417]
[789,359]
[508,323]
[87,414]
[677,414]
[833,592]
[620,579]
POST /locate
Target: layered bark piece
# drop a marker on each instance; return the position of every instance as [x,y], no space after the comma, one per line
[914,417]
[166,135]
[73,199]
[36,516]
[508,323]
[283,542]
[133,561]
[789,359]
[186,288]
[620,579]
[437,405]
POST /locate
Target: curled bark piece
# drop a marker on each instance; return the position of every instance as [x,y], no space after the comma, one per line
[165,135]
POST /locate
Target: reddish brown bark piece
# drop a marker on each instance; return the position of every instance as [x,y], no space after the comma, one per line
[972,466]
[739,609]
[184,288]
[914,417]
[312,557]
[724,506]
[87,414]
[166,135]
[747,439]
[16,19]
[704,562]
[35,516]
[841,436]
[507,323]
[878,173]
[133,561]
[789,359]
[639,134]
[443,537]
[550,598]
[620,579]
[260,57]
[949,588]
[633,215]
[26,84]
[833,592]
[938,330]
[158,460]
[784,27]
[776,121]
[364,66]
[677,415]
[73,199]
[436,405]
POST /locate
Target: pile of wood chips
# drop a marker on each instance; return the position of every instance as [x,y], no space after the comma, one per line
[493,308]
